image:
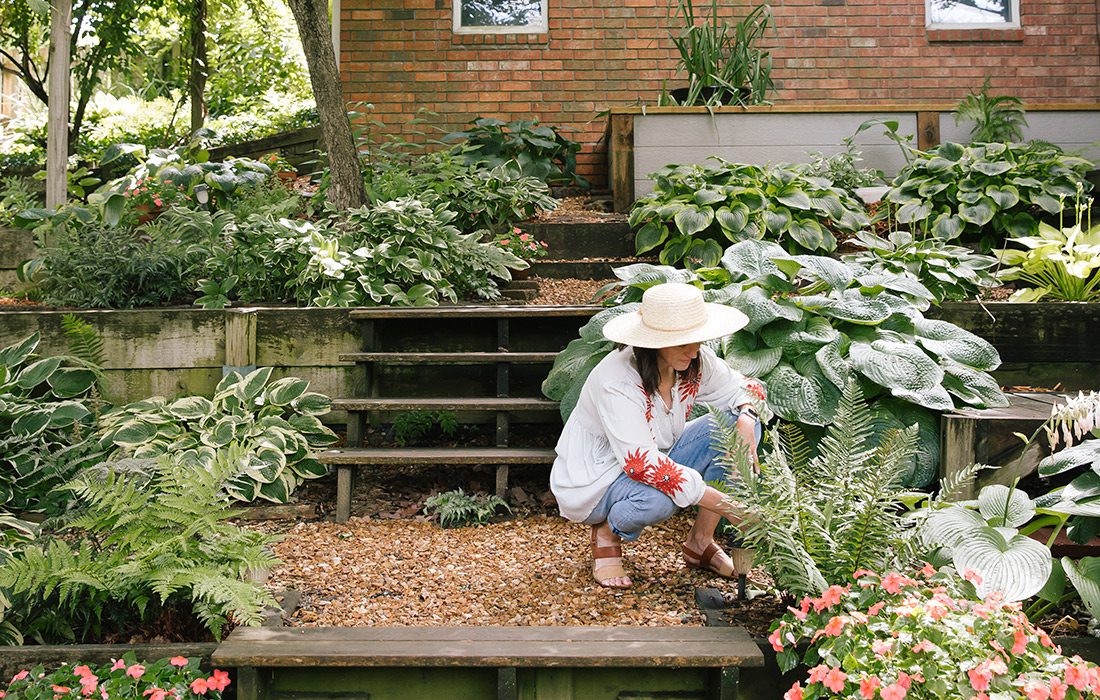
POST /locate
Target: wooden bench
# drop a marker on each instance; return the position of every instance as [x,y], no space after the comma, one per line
[989,436]
[514,662]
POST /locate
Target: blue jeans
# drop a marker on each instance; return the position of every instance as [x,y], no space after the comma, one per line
[629,506]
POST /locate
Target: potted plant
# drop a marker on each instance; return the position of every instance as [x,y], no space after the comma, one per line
[280,167]
[722,60]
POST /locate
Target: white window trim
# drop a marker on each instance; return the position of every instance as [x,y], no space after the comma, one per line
[1014,24]
[539,27]
[335,22]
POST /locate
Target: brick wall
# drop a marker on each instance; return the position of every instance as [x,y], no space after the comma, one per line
[401,56]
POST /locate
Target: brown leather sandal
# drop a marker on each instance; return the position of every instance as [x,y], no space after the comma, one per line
[705,560]
[607,572]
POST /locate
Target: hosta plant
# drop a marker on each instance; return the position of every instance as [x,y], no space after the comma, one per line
[924,636]
[127,677]
[275,423]
[535,150]
[985,193]
[814,520]
[1059,263]
[950,272]
[695,211]
[815,324]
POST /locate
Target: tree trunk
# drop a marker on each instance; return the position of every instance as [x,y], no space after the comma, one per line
[346,190]
[57,130]
[197,78]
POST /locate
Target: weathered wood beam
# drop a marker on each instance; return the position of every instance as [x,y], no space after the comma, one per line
[57,137]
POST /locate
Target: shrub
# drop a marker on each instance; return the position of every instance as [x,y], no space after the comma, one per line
[894,636]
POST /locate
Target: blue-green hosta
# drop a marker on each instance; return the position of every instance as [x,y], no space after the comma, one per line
[274,422]
[816,323]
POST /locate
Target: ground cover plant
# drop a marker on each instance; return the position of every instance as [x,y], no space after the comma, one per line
[126,677]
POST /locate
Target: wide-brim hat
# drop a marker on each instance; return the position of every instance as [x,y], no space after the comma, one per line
[671,314]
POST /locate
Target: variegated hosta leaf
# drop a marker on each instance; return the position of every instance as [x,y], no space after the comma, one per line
[757,304]
[752,259]
[802,398]
[282,391]
[1085,576]
[1014,565]
[945,339]
[1002,506]
[848,306]
[191,408]
[947,527]
[252,384]
[1088,452]
[971,386]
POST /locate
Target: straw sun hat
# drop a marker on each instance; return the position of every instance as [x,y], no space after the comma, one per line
[671,314]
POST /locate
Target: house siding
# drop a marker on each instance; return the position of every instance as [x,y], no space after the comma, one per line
[402,57]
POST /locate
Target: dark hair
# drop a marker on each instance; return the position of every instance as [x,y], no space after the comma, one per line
[646,359]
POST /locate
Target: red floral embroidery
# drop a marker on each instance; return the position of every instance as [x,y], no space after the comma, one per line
[637,466]
[756,388]
[648,404]
[666,477]
[689,389]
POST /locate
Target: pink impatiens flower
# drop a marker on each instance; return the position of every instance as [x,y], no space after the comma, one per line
[136,671]
[219,680]
[834,680]
[894,691]
[199,686]
[868,686]
[179,661]
[795,693]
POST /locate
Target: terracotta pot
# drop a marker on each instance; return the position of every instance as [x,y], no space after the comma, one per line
[523,274]
[286,175]
[146,213]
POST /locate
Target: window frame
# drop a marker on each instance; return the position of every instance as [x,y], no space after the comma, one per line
[541,27]
[1014,7]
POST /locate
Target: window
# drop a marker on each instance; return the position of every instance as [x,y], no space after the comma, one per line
[499,16]
[977,14]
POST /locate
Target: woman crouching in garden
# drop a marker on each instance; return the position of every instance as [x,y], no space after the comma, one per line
[628,456]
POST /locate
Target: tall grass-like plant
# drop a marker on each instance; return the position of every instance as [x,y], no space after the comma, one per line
[723,61]
[816,520]
[996,118]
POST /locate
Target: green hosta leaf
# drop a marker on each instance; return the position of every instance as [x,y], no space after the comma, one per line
[650,236]
[706,197]
[948,340]
[914,212]
[754,363]
[66,413]
[1087,452]
[191,408]
[810,399]
[133,433]
[777,221]
[692,220]
[1017,566]
[1005,197]
[849,306]
[833,365]
[69,381]
[991,168]
[948,226]
[675,249]
[732,219]
[980,213]
[572,366]
[251,386]
[831,271]
[794,198]
[1002,506]
[798,338]
[1020,224]
[37,372]
[1055,587]
[973,387]
[904,369]
[889,413]
[809,234]
[282,392]
[761,309]
[312,404]
[1085,576]
[752,259]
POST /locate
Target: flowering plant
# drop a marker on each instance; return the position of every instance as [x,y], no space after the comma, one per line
[150,193]
[277,163]
[523,245]
[177,677]
[896,636]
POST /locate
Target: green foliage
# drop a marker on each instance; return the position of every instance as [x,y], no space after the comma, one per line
[413,426]
[274,424]
[995,118]
[148,536]
[894,636]
[460,509]
[815,323]
[696,210]
[534,150]
[44,427]
[815,521]
[174,677]
[950,272]
[1058,263]
[15,196]
[723,61]
[986,193]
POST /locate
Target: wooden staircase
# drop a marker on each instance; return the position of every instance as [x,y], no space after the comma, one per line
[484,363]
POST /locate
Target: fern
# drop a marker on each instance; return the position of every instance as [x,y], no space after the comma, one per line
[84,340]
[147,535]
[457,508]
[814,521]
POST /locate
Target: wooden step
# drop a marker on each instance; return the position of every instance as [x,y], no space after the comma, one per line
[368,456]
[448,358]
[472,311]
[488,403]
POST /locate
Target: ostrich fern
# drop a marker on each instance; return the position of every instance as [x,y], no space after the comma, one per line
[814,521]
[141,539]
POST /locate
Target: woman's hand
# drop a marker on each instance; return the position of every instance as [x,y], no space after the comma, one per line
[746,430]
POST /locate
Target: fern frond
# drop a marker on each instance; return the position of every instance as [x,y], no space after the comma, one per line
[792,441]
[84,341]
[845,445]
[953,486]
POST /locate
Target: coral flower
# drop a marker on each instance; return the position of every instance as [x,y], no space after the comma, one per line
[980,677]
[180,661]
[1077,675]
[834,680]
[795,693]
[1057,689]
[774,638]
[1034,690]
[894,691]
[199,686]
[219,680]
[868,686]
[119,663]
[835,626]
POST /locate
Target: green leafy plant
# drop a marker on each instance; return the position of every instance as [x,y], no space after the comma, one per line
[1061,263]
[814,520]
[275,422]
[895,636]
[79,180]
[460,509]
[413,426]
[815,324]
[696,210]
[15,196]
[534,149]
[175,677]
[724,62]
[950,272]
[522,245]
[147,537]
[985,193]
[997,118]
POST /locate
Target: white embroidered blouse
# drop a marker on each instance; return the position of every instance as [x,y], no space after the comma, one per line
[616,427]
